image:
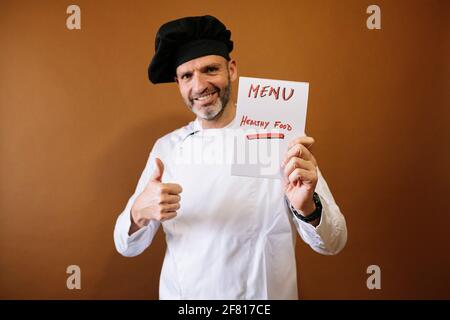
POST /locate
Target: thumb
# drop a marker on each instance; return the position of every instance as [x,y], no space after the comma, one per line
[159,170]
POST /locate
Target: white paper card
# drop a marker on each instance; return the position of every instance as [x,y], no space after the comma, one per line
[270,113]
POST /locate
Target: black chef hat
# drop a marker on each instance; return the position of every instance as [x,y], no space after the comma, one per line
[184,39]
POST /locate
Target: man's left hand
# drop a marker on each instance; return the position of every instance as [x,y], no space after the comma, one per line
[300,174]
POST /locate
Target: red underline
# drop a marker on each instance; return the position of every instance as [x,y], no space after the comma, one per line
[265,136]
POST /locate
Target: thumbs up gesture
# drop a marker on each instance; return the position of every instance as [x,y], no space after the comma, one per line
[159,201]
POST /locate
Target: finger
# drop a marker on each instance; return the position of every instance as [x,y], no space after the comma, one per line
[306,154]
[159,170]
[299,151]
[171,188]
[168,216]
[157,213]
[302,175]
[306,141]
[295,150]
[295,163]
[169,198]
[168,207]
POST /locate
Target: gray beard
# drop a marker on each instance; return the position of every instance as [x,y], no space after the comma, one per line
[224,98]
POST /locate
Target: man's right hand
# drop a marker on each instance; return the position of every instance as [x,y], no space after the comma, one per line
[159,201]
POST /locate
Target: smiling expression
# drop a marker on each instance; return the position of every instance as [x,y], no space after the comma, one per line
[205,85]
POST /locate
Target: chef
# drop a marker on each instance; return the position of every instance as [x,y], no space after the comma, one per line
[228,237]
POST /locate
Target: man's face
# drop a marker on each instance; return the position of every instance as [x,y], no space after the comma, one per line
[205,84]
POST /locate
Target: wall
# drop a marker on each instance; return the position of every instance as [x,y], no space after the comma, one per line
[79,117]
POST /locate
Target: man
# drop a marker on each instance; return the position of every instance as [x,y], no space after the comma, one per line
[228,237]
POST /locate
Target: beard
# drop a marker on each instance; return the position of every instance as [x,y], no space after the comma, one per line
[212,111]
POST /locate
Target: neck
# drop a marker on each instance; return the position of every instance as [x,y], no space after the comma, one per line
[222,120]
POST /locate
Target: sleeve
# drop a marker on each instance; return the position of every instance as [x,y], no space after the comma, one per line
[130,246]
[330,236]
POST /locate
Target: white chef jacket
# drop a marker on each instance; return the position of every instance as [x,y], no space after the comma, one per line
[234,236]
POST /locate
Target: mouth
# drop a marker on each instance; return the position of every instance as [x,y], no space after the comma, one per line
[206,98]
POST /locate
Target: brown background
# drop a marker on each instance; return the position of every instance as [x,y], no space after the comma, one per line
[78,119]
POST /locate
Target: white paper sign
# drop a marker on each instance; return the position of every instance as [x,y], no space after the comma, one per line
[270,113]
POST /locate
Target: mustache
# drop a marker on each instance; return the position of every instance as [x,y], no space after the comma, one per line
[205,93]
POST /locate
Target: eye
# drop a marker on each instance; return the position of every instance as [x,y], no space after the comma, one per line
[211,69]
[186,76]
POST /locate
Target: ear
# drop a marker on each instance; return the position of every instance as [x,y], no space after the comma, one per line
[175,78]
[232,69]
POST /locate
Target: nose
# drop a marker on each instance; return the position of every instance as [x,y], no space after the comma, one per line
[199,83]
